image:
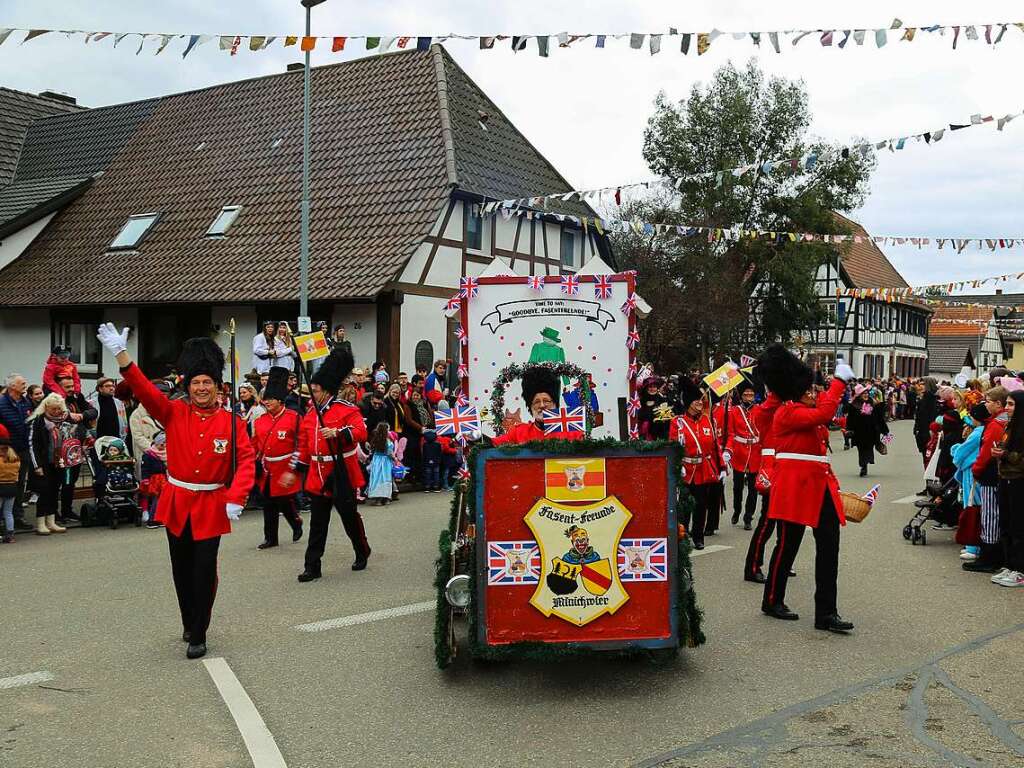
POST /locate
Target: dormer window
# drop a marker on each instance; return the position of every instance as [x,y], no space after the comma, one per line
[224,220]
[134,230]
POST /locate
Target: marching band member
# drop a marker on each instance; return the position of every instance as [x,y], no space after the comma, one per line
[804,490]
[330,433]
[762,415]
[541,392]
[201,496]
[743,454]
[275,440]
[703,467]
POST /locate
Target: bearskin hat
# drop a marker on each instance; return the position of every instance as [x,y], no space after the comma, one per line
[540,379]
[783,373]
[201,356]
[335,369]
[277,384]
[688,392]
[743,386]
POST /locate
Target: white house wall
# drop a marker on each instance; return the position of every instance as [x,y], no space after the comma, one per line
[423,319]
[12,246]
[24,342]
[360,321]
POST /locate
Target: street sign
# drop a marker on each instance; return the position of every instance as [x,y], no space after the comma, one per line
[305,325]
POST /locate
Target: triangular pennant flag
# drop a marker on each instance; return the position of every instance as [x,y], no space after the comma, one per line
[5,33]
[34,33]
[257,42]
[372,42]
[290,40]
[308,44]
[338,44]
[164,40]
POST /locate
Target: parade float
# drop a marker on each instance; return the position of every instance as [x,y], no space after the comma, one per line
[559,546]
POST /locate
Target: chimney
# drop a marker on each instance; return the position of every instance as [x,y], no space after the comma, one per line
[61,97]
[298,66]
[999,291]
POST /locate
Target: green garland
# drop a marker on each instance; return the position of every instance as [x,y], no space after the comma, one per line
[688,612]
[511,373]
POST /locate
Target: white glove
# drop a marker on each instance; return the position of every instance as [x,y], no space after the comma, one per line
[115,342]
[728,470]
[727,456]
[234,511]
[845,372]
[721,476]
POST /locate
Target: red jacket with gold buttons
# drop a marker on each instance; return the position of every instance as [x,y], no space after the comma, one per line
[198,461]
[762,415]
[275,439]
[702,456]
[743,440]
[319,453]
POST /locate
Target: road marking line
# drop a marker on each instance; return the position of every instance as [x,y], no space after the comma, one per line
[258,739]
[30,679]
[366,618]
[709,549]
[907,499]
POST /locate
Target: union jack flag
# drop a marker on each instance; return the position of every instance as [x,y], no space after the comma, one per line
[634,432]
[455,302]
[633,339]
[634,406]
[513,562]
[746,361]
[463,370]
[460,397]
[463,474]
[570,285]
[872,496]
[457,421]
[469,287]
[642,560]
[461,334]
[633,370]
[629,305]
[536,282]
[564,420]
[602,287]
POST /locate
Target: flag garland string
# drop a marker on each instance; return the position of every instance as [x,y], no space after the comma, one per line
[956,285]
[792,164]
[700,42]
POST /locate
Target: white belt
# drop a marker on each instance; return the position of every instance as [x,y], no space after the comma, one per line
[688,460]
[767,451]
[194,486]
[277,458]
[803,457]
[345,455]
[747,440]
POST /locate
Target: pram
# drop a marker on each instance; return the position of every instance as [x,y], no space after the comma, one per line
[114,486]
[942,505]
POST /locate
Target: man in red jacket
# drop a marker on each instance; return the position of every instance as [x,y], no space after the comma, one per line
[541,392]
[703,466]
[762,416]
[804,490]
[743,454]
[275,440]
[205,445]
[328,438]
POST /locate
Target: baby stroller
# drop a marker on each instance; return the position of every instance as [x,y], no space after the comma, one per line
[942,505]
[114,485]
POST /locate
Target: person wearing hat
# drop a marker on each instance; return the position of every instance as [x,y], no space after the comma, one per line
[762,415]
[651,406]
[329,438]
[275,440]
[210,471]
[804,490]
[743,454]
[703,468]
[865,420]
[541,390]
[58,366]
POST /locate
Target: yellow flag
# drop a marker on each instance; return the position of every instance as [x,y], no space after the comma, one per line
[724,379]
[311,346]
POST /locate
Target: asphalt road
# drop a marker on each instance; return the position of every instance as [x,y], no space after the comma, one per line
[931,676]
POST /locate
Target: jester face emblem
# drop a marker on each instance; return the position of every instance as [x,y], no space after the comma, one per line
[574,478]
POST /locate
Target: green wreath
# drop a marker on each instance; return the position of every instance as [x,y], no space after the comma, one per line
[515,371]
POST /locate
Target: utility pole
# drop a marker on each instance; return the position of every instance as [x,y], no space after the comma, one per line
[835,344]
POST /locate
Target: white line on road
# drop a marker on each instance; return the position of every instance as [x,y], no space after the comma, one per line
[30,679]
[907,499]
[258,740]
[709,549]
[366,618]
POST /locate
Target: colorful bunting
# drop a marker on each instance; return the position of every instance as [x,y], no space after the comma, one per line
[536,282]
[469,287]
[570,285]
[602,287]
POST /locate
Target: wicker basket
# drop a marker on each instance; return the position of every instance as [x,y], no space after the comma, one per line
[854,507]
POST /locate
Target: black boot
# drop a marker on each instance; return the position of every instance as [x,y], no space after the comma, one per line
[296,533]
[308,575]
[833,623]
[360,562]
[988,561]
[266,545]
[735,517]
[757,577]
[195,650]
[779,611]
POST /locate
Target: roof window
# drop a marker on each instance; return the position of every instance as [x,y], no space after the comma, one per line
[224,220]
[134,230]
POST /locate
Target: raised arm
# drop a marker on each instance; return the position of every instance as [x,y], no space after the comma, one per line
[158,406]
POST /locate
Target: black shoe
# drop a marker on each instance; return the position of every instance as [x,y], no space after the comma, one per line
[186,636]
[980,566]
[779,611]
[863,471]
[195,650]
[360,563]
[747,526]
[297,533]
[757,577]
[153,525]
[698,544]
[308,575]
[735,518]
[266,545]
[833,623]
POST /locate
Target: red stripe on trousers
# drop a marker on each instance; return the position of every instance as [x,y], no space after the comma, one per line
[775,566]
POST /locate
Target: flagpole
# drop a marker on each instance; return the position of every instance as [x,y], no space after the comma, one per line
[304,206]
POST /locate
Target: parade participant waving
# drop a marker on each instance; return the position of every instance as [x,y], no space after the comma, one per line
[804,489]
[328,438]
[703,466]
[205,445]
[743,454]
[541,390]
[275,440]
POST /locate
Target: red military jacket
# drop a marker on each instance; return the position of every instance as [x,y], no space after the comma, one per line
[762,414]
[702,456]
[743,440]
[319,454]
[527,432]
[198,461]
[802,474]
[275,439]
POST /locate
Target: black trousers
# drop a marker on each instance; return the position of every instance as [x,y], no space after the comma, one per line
[1011,523]
[275,507]
[194,569]
[67,491]
[826,560]
[758,539]
[741,480]
[49,488]
[706,498]
[23,476]
[320,520]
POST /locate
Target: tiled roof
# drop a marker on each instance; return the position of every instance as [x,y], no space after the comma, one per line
[948,358]
[24,202]
[956,329]
[974,314]
[17,111]
[385,159]
[864,263]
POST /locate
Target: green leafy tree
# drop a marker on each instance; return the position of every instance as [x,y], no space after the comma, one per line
[729,296]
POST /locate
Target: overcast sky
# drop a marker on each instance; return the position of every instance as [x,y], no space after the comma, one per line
[586,109]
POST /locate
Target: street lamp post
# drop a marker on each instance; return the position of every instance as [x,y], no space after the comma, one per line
[304,235]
